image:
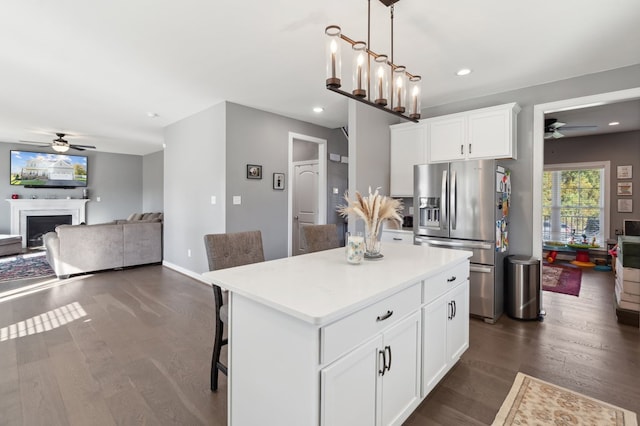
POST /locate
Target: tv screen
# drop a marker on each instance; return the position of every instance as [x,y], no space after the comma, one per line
[43,170]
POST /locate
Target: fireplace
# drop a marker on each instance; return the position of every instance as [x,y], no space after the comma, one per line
[23,208]
[37,226]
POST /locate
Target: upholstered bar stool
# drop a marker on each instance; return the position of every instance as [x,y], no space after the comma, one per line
[226,251]
[320,237]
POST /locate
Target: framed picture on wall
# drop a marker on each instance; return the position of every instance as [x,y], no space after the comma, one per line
[625,172]
[625,205]
[625,188]
[278,181]
[254,171]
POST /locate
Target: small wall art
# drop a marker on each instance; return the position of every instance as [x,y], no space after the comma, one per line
[278,181]
[625,172]
[625,205]
[254,171]
[625,188]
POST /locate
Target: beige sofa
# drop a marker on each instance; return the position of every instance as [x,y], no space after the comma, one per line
[74,249]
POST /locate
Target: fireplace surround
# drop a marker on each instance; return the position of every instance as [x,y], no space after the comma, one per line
[22,208]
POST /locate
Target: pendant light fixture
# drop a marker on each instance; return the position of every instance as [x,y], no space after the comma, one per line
[376,80]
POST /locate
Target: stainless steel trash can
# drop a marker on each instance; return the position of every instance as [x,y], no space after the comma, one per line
[523,296]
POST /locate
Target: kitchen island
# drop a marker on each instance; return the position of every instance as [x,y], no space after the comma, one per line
[314,340]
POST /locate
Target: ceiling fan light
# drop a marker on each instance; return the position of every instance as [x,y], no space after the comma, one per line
[60,148]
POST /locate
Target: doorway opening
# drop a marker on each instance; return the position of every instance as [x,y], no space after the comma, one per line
[539,112]
[307,183]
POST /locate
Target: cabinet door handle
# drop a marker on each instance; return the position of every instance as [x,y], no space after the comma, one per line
[452,279]
[449,310]
[388,348]
[455,308]
[385,316]
[469,148]
[382,369]
[461,149]
[397,239]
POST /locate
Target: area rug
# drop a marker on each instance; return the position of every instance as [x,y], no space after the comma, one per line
[559,278]
[535,402]
[30,265]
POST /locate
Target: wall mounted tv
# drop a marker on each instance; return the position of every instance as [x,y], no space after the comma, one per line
[44,170]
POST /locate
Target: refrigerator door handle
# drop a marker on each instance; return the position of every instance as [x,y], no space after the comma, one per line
[453,210]
[466,244]
[444,221]
[481,269]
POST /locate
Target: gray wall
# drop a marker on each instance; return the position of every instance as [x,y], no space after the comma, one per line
[115,178]
[621,149]
[153,182]
[369,152]
[206,155]
[521,226]
[194,170]
[259,137]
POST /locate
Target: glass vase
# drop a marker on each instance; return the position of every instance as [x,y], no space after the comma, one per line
[372,242]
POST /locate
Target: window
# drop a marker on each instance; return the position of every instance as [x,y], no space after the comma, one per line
[575,202]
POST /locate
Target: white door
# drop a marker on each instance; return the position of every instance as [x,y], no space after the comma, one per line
[401,381]
[305,201]
[408,147]
[348,387]
[434,343]
[447,139]
[458,324]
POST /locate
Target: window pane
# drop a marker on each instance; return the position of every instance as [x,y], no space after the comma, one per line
[573,205]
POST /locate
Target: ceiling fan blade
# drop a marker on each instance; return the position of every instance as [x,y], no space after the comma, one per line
[579,128]
[557,135]
[557,125]
[35,143]
[82,147]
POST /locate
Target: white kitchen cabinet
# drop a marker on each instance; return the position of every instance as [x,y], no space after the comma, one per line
[378,383]
[479,134]
[309,335]
[445,334]
[447,137]
[408,148]
[403,236]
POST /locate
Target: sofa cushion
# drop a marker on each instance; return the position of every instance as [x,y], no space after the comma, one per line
[142,242]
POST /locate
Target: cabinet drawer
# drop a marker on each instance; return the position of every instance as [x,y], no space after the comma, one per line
[397,236]
[347,333]
[441,283]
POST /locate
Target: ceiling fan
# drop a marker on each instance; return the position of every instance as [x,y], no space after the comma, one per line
[552,128]
[62,145]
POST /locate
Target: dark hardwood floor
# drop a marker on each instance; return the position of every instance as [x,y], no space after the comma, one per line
[579,346]
[134,346]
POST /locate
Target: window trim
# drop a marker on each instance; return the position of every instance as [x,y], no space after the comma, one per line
[606,186]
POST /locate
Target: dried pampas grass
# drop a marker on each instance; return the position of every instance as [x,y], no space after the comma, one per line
[374,209]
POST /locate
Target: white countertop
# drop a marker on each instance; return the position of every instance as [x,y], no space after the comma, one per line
[321,287]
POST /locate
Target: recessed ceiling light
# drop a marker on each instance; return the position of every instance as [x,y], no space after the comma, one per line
[318,109]
[152,115]
[463,71]
[614,123]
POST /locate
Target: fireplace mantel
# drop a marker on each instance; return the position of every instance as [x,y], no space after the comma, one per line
[23,207]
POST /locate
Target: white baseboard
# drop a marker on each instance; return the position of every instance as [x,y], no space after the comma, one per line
[184,271]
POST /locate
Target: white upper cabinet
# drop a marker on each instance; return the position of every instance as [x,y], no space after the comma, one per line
[478,134]
[408,147]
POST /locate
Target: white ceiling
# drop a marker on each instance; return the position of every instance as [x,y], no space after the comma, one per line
[94,69]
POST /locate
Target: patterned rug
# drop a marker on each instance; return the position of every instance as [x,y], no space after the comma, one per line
[28,265]
[561,278]
[535,402]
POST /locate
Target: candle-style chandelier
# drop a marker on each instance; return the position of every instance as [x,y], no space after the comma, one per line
[377,81]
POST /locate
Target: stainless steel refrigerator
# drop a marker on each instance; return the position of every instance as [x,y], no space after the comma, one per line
[465,205]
